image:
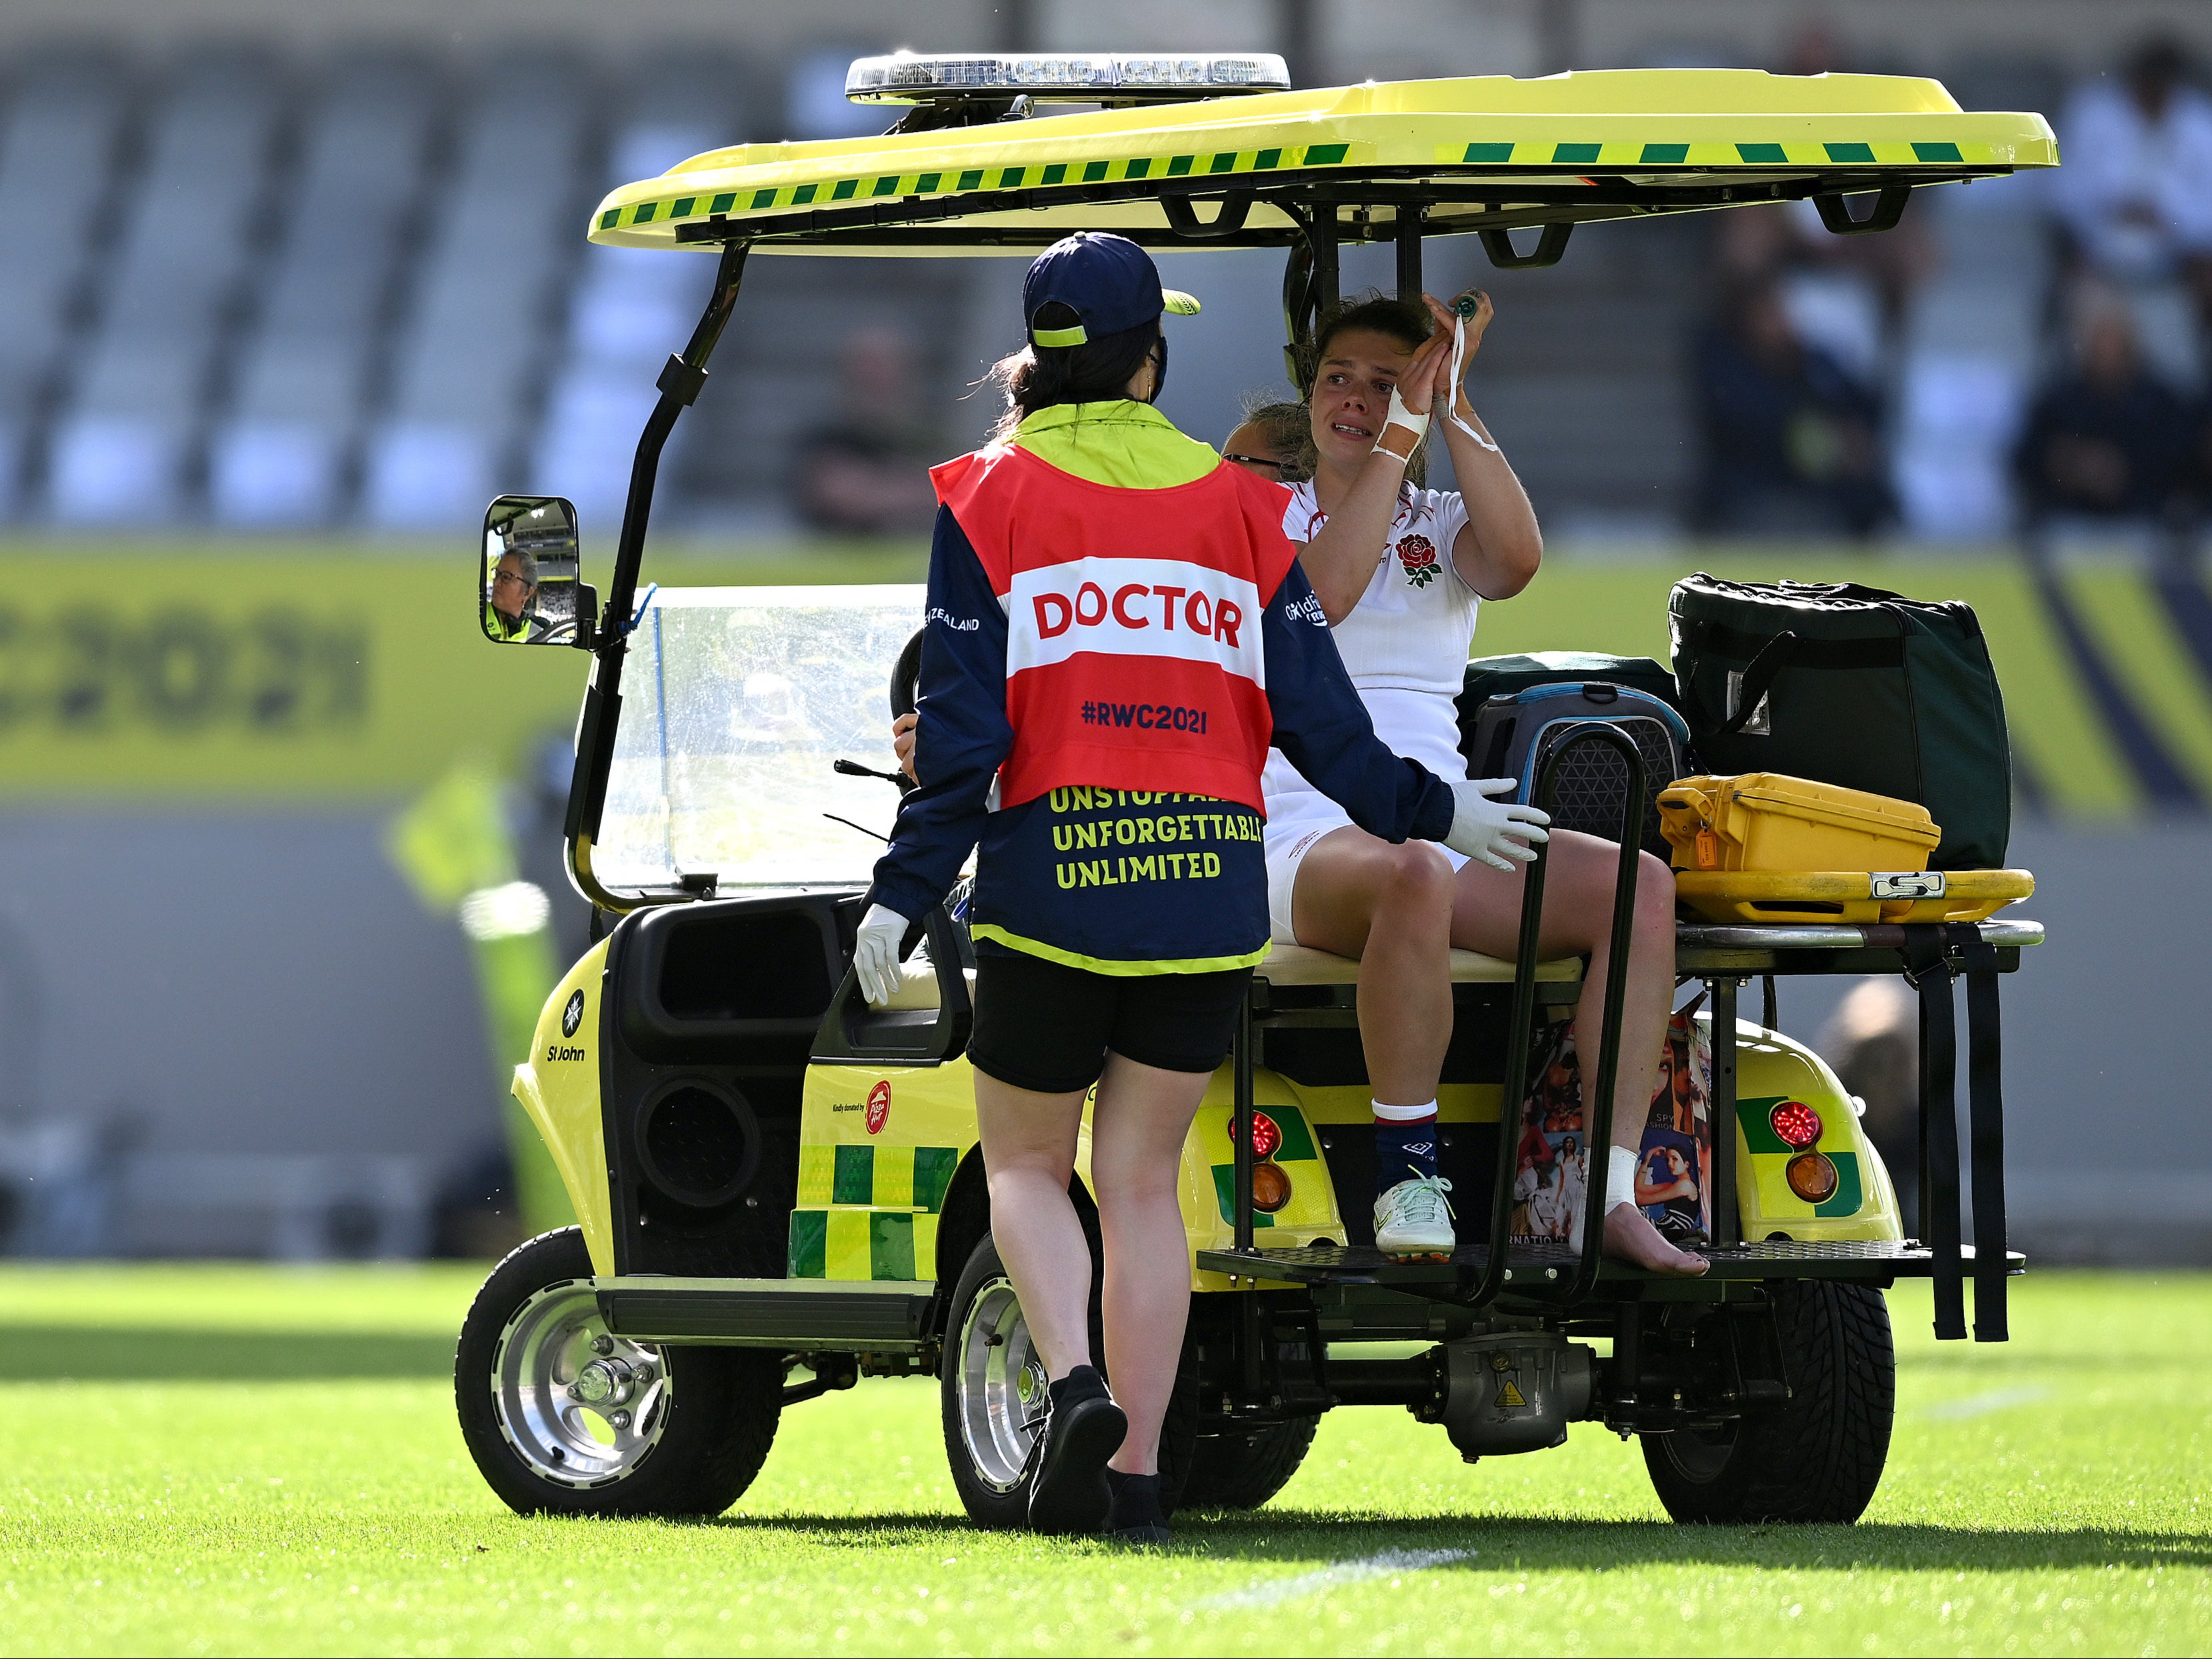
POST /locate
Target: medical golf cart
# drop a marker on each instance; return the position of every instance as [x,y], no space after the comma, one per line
[777,1187]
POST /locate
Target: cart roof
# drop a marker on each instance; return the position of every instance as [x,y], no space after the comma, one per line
[1477,154]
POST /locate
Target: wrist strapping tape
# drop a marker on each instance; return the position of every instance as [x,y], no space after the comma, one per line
[1403,418]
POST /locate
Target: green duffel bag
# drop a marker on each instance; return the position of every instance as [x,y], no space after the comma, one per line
[1854,686]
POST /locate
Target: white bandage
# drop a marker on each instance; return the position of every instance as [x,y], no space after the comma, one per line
[1403,418]
[1620,1177]
[1459,365]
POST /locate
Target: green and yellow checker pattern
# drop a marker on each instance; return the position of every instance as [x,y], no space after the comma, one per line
[946,181]
[869,1211]
[1771,1068]
[1311,1196]
[1772,1154]
[1692,126]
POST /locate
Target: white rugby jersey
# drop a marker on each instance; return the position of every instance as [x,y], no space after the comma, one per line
[1407,641]
[1413,626]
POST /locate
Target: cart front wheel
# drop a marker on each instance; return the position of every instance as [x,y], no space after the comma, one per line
[564,1417]
[1818,1457]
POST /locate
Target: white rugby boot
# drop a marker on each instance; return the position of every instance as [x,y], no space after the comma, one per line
[1414,1218]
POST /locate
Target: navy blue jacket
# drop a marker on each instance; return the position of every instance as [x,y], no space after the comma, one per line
[1117,881]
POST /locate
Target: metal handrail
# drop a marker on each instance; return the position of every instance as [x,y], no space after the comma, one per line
[1513,1088]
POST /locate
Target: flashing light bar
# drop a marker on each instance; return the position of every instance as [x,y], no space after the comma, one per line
[906,78]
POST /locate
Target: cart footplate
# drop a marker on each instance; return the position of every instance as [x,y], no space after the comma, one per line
[1537,1267]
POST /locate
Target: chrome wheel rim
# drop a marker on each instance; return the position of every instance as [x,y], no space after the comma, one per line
[1001,1384]
[581,1407]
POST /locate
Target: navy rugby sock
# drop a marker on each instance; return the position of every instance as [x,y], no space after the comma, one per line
[1405,1144]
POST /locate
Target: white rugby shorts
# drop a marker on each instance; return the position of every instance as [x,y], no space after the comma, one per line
[1297,820]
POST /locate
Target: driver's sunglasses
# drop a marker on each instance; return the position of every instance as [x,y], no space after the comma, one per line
[1255,460]
[499,576]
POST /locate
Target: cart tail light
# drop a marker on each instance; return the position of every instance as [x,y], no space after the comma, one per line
[1796,1124]
[1812,1177]
[1271,1187]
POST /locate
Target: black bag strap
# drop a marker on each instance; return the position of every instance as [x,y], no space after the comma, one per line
[1769,656]
[1930,974]
[1985,1138]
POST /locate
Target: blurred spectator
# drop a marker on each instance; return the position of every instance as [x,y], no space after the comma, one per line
[2105,438]
[2135,193]
[867,474]
[1792,440]
[2196,473]
[1872,1042]
[1846,295]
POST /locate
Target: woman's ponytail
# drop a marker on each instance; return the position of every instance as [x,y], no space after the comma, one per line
[1096,372]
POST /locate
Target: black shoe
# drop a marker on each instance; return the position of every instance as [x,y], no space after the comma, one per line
[1085,1428]
[1134,1517]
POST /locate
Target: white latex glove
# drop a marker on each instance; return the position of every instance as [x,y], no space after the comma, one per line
[1493,830]
[876,956]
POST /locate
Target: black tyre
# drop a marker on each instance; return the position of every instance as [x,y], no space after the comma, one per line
[992,1394]
[564,1419]
[1819,1456]
[1243,1469]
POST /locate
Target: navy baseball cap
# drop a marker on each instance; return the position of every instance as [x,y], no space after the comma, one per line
[1109,282]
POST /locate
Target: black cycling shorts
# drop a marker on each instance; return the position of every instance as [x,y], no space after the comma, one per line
[1042,1026]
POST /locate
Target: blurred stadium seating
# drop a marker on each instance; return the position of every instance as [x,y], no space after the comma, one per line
[296,296]
[346,289]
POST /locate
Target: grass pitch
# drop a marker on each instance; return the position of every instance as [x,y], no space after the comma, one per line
[249,1460]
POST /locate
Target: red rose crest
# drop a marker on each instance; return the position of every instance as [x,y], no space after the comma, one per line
[1418,555]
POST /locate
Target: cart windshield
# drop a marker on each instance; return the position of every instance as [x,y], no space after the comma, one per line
[735,703]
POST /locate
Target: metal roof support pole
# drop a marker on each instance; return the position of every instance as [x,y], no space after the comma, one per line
[1325,264]
[1310,282]
[679,384]
[1410,225]
[1727,1226]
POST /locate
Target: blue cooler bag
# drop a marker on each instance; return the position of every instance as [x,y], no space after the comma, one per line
[1511,736]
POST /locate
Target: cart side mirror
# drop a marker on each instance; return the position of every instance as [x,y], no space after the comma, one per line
[530,589]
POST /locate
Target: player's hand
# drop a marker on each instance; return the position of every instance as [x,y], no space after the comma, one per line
[1417,383]
[1447,319]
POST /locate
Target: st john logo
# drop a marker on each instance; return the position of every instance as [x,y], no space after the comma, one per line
[573,1015]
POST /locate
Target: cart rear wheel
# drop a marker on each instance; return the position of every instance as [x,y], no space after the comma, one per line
[1245,1468]
[564,1417]
[1817,1457]
[992,1394]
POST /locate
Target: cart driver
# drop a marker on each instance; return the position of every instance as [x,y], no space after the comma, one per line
[1116,632]
[507,614]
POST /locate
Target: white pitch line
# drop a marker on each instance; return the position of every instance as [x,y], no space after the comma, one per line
[1981,1404]
[1343,1572]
